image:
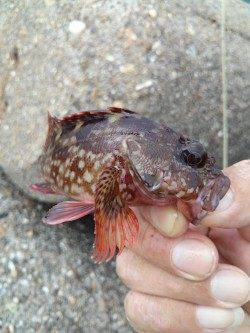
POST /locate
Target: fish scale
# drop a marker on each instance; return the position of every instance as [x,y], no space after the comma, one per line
[110,160]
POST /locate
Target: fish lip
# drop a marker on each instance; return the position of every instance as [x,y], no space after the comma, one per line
[210,196]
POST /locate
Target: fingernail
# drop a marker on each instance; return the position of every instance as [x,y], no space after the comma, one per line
[193,258]
[170,221]
[216,318]
[223,286]
[226,201]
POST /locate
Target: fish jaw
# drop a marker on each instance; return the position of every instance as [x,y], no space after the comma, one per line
[209,197]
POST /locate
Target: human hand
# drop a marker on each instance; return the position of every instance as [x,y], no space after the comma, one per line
[177,284]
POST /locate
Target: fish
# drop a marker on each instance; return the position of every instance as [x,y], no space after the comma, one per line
[109,161]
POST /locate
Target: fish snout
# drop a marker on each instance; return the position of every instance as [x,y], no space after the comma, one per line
[213,192]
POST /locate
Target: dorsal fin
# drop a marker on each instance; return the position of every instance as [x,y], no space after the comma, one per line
[52,122]
[53,127]
[113,109]
[84,115]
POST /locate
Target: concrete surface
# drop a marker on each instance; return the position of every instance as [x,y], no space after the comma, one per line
[158,58]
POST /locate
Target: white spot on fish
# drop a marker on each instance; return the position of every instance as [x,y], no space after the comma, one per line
[75,188]
[190,190]
[174,185]
[118,200]
[129,196]
[93,187]
[73,140]
[81,164]
[180,194]
[168,177]
[123,173]
[90,155]
[81,153]
[61,169]
[122,187]
[183,182]
[107,157]
[66,142]
[96,165]
[58,135]
[72,175]
[73,149]
[78,126]
[131,187]
[79,180]
[87,176]
[67,173]
[67,162]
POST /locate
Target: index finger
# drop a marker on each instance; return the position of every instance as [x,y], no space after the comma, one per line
[191,255]
[167,220]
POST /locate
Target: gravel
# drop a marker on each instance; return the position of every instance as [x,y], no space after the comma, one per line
[48,282]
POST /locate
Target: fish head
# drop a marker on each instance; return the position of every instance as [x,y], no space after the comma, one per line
[194,176]
[181,168]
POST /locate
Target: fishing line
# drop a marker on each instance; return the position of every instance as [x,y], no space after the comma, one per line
[224,84]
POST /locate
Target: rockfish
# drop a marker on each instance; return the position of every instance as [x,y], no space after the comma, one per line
[111,160]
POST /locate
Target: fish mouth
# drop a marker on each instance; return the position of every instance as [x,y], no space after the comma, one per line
[210,196]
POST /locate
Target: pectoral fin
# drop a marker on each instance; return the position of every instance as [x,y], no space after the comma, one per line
[115,223]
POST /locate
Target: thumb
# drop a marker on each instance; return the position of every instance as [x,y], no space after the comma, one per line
[233,210]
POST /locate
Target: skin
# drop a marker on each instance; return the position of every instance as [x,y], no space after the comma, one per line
[165,298]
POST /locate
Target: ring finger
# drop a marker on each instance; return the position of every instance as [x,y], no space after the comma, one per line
[148,313]
[218,290]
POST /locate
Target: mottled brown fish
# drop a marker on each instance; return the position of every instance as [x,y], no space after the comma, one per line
[108,161]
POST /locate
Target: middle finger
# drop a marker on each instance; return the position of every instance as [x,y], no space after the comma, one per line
[218,290]
[191,255]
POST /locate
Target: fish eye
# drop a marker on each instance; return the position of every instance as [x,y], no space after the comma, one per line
[194,155]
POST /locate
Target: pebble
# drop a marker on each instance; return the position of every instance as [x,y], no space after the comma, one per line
[152,13]
[127,69]
[144,85]
[76,27]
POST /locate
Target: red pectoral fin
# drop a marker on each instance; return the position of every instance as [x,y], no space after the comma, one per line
[115,223]
[112,233]
[68,211]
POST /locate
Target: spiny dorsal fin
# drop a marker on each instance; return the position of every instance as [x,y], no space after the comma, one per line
[84,115]
[53,127]
[113,109]
[52,122]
